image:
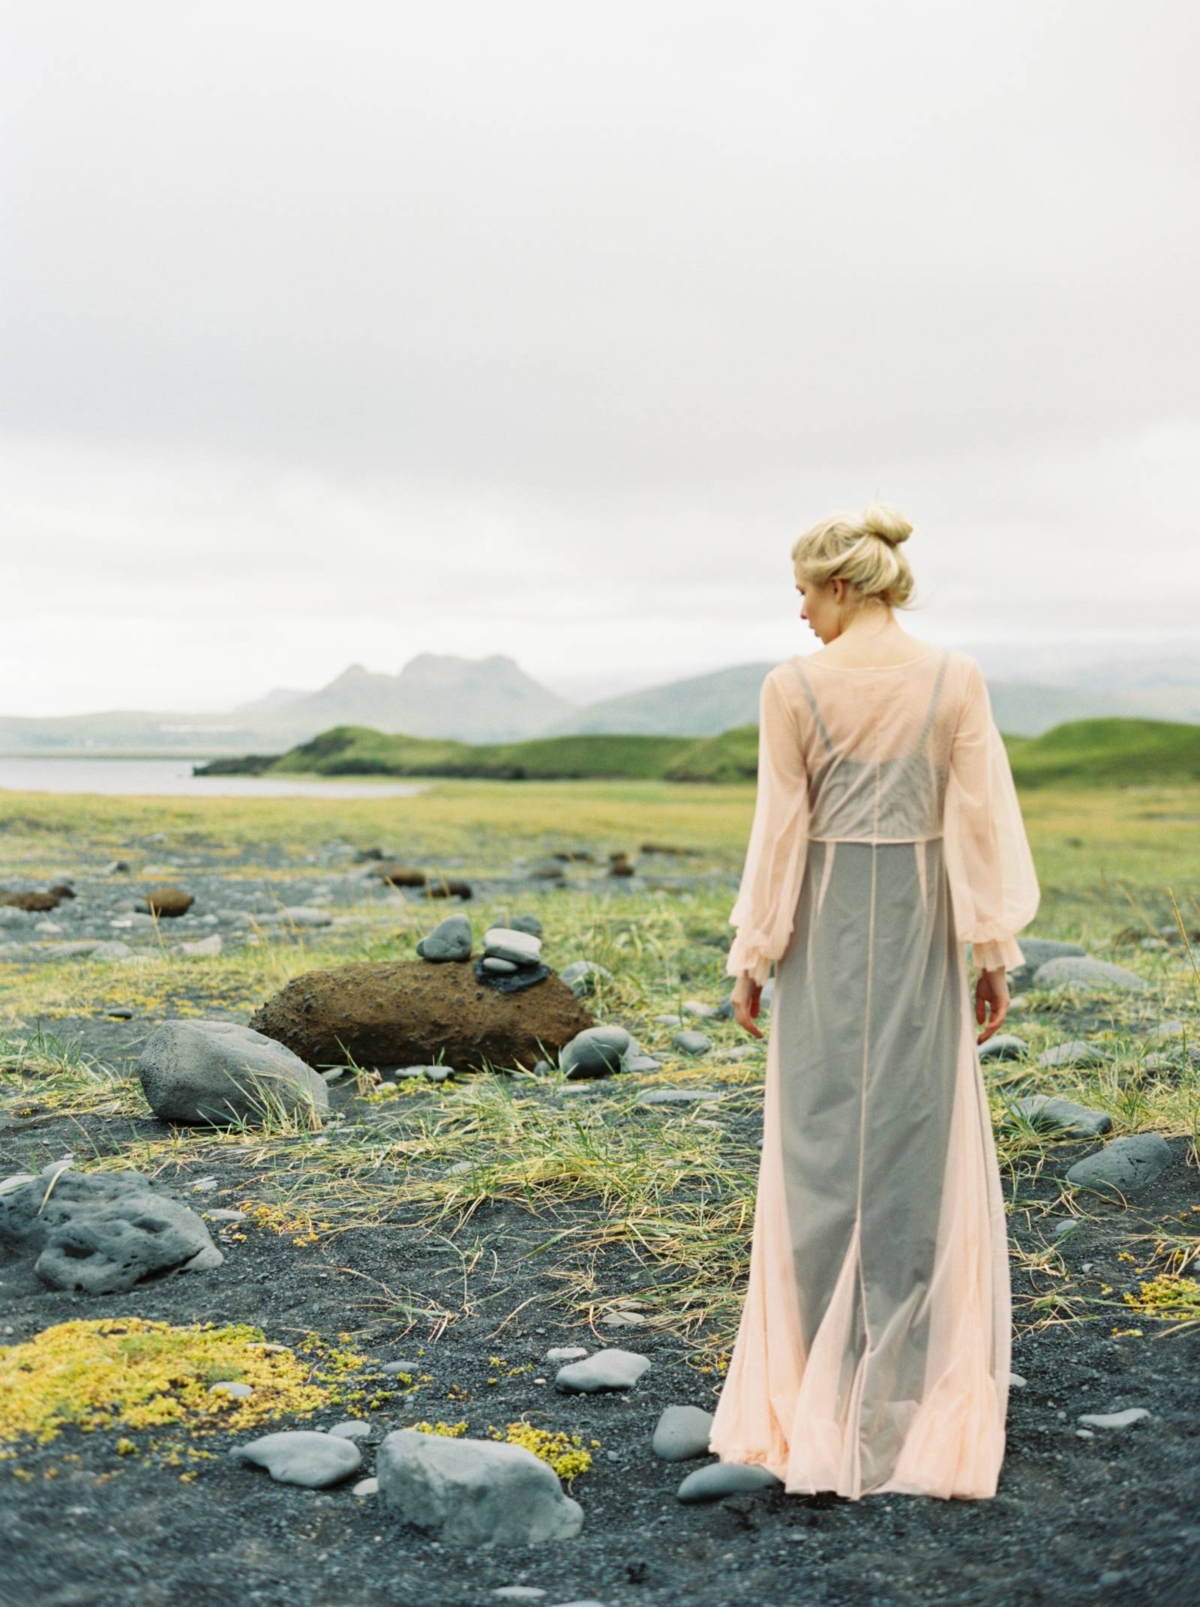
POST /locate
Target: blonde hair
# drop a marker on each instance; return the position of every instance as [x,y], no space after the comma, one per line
[861,549]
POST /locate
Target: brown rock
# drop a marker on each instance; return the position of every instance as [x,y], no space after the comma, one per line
[168,900]
[60,890]
[619,865]
[399,875]
[29,901]
[441,888]
[405,1012]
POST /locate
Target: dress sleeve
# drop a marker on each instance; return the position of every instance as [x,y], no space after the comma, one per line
[994,887]
[770,886]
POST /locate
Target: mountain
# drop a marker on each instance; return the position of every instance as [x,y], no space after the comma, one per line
[492,700]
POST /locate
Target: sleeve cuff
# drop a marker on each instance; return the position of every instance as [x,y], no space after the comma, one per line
[744,955]
[1004,954]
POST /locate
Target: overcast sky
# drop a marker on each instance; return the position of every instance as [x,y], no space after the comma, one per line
[341,332]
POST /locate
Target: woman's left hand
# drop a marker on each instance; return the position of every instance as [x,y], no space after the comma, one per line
[991,994]
[747,994]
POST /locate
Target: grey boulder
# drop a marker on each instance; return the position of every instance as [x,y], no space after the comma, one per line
[302,1456]
[219,1073]
[692,1043]
[101,1233]
[1123,1165]
[474,1492]
[726,1478]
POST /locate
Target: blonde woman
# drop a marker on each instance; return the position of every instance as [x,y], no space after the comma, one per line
[874,1345]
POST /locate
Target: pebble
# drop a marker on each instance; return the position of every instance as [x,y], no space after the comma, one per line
[391,1368]
[353,1429]
[1004,1046]
[506,943]
[563,1353]
[605,1369]
[502,967]
[1084,971]
[583,976]
[678,1096]
[450,939]
[642,1063]
[366,1487]
[241,1392]
[1075,1053]
[594,1052]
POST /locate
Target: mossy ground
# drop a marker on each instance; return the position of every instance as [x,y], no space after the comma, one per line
[585,1218]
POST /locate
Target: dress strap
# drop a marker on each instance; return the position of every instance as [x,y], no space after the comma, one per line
[933,701]
[812,703]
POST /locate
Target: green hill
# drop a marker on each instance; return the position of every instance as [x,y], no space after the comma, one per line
[1101,752]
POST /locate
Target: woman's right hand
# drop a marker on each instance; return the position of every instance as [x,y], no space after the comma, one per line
[991,998]
[747,994]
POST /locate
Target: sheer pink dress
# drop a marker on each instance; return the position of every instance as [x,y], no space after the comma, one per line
[874,1344]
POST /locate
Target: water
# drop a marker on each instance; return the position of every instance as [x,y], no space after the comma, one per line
[161,778]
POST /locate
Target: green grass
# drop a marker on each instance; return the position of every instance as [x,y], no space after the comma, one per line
[1108,752]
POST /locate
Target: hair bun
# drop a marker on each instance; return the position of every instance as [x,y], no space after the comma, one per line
[886,523]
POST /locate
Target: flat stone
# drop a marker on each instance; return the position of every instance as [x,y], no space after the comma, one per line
[302,1456]
[678,1096]
[583,976]
[1133,1414]
[352,1429]
[1052,1111]
[366,1487]
[682,1432]
[230,1386]
[642,1063]
[562,1353]
[472,1492]
[1075,1053]
[603,1370]
[492,962]
[697,1007]
[506,943]
[1003,1046]
[526,923]
[391,1368]
[726,1478]
[1124,1165]
[1037,950]
[203,949]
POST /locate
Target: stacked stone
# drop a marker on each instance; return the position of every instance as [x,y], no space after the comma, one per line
[506,950]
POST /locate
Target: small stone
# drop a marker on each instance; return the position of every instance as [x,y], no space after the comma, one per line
[526,923]
[1004,1046]
[366,1487]
[1075,1053]
[451,939]
[501,967]
[391,1368]
[642,1063]
[1074,1121]
[506,943]
[604,1370]
[303,1457]
[726,1478]
[204,949]
[594,1052]
[584,976]
[1084,971]
[240,1392]
[1134,1414]
[353,1429]
[696,1007]
[678,1096]
[692,1043]
[682,1432]
[564,1353]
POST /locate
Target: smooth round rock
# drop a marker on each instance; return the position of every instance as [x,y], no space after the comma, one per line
[302,1456]
[451,939]
[603,1370]
[1075,1053]
[726,1478]
[526,923]
[682,1432]
[1084,971]
[1126,1164]
[594,1052]
[1004,1046]
[499,967]
[692,1043]
[506,943]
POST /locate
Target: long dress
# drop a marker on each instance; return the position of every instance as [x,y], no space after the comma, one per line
[874,1344]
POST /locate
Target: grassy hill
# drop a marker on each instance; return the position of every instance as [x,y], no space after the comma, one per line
[1096,752]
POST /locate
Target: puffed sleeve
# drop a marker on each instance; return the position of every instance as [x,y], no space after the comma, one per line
[993,884]
[774,866]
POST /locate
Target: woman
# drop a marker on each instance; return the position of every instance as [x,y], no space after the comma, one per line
[874,1345]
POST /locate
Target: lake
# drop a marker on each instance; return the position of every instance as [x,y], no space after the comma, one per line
[162,778]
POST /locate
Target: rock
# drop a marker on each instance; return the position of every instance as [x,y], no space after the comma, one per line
[302,1456]
[296,915]
[167,900]
[678,1096]
[101,1232]
[204,949]
[526,923]
[114,949]
[594,1052]
[514,980]
[499,967]
[642,1063]
[1004,1046]
[603,1370]
[228,1386]
[352,1429]
[391,1368]
[561,1353]
[450,939]
[692,1043]
[366,1487]
[48,929]
[1075,1053]
[1123,1165]
[1037,950]
[1083,971]
[1073,1121]
[506,943]
[697,1007]
[474,1492]
[682,1432]
[218,1073]
[668,1020]
[1132,1414]
[396,1013]
[31,903]
[583,976]
[741,1051]
[726,1478]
